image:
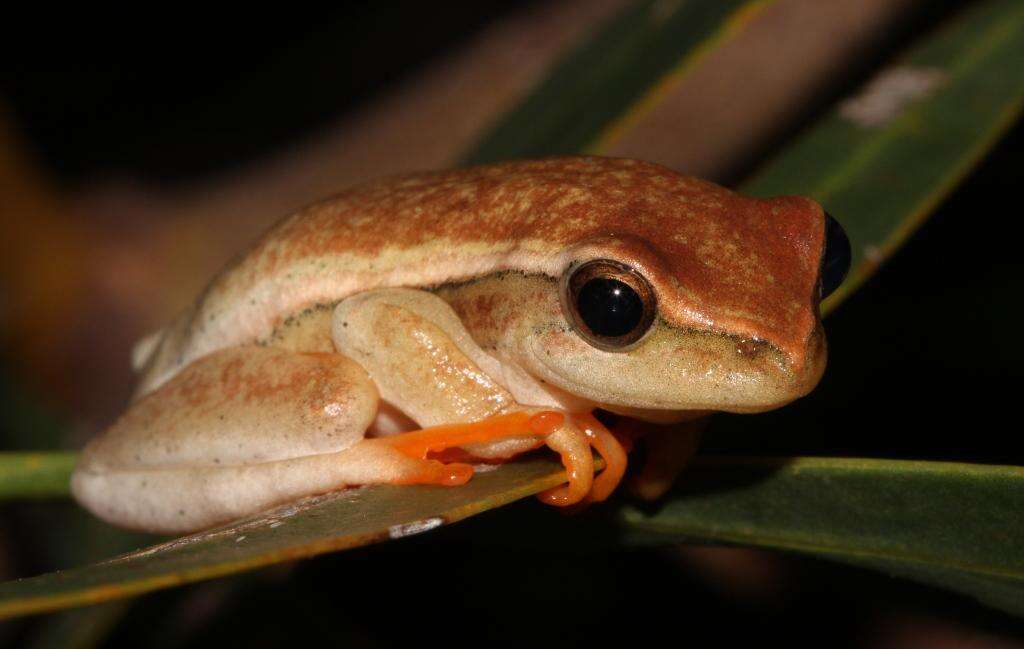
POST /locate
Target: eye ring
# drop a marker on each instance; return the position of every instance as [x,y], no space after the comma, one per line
[608,303]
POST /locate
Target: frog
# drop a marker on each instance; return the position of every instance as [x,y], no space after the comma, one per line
[416,329]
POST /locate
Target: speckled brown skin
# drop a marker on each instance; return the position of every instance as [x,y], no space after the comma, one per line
[735,277]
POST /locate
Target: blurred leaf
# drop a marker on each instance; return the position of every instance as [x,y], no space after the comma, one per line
[78,629]
[61,532]
[35,475]
[884,159]
[306,528]
[606,81]
[952,525]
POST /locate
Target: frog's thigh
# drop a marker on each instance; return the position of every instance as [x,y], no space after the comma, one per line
[424,361]
[233,433]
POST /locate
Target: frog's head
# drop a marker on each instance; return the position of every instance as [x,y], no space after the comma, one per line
[724,318]
[674,294]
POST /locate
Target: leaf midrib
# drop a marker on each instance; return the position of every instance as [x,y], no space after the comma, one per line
[781,543]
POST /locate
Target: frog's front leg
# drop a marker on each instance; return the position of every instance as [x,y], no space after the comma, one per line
[237,431]
[426,364]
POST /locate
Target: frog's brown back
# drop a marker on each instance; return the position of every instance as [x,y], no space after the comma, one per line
[723,258]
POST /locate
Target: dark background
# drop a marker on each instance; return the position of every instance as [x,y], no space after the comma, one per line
[924,362]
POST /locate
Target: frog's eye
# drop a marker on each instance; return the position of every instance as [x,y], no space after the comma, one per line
[835,260]
[608,303]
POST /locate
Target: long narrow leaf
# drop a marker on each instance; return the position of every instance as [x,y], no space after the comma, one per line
[306,528]
[884,159]
[952,525]
[35,475]
[948,524]
[605,79]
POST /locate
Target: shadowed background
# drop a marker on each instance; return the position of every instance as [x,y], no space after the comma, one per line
[135,161]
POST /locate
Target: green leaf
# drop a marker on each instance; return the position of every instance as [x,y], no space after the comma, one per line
[882,161]
[82,538]
[305,528]
[952,525]
[35,475]
[607,81]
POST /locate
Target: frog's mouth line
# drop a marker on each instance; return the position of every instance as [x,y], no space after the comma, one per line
[743,375]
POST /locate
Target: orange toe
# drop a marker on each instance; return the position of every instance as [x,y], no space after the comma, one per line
[576,456]
[579,489]
[420,443]
[438,473]
[579,468]
[611,451]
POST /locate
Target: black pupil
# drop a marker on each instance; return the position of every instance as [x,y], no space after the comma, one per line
[609,307]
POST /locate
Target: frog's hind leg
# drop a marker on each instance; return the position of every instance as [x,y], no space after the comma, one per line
[427,365]
[237,431]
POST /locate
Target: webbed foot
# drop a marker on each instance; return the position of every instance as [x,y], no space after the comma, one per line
[571,436]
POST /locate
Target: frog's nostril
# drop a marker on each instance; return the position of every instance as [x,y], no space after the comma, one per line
[835,261]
